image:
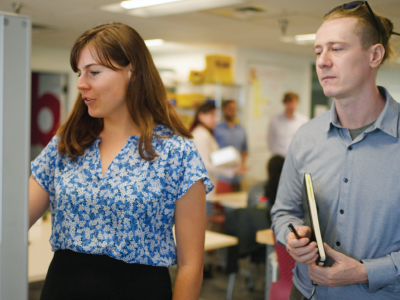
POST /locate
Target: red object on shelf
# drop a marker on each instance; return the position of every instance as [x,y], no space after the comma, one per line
[39,102]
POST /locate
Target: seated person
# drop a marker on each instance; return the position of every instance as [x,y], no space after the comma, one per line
[263,194]
[245,222]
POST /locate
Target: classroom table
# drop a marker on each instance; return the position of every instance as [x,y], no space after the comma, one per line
[39,250]
[215,240]
[231,200]
[40,254]
[266,237]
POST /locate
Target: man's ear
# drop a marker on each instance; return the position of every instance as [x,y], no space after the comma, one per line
[377,54]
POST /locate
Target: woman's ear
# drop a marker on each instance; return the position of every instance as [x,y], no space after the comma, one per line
[129,70]
[200,116]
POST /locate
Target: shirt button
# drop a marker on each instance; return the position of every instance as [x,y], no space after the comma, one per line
[345,180]
[338,244]
[342,211]
[350,148]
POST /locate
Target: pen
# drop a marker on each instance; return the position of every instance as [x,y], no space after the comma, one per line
[294,231]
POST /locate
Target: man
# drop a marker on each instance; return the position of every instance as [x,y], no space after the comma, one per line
[353,155]
[283,127]
[228,133]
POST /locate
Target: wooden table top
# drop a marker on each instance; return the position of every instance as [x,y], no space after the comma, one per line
[232,200]
[265,236]
[215,240]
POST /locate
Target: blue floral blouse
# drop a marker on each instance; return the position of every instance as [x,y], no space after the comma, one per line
[128,214]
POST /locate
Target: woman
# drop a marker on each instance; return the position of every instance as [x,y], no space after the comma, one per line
[118,174]
[202,128]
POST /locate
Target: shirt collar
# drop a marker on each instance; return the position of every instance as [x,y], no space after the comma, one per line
[387,120]
[227,126]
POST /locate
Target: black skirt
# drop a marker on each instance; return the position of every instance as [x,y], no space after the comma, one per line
[76,276]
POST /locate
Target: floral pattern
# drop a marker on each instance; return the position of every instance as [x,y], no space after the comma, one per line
[128,214]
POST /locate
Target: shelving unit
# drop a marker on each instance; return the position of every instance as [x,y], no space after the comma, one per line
[217,92]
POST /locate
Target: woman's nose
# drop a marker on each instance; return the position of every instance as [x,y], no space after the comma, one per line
[82,83]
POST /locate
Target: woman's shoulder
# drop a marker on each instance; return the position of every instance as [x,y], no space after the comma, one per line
[200,132]
[52,146]
[168,137]
[162,130]
[49,157]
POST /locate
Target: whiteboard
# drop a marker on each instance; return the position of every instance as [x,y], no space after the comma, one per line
[267,84]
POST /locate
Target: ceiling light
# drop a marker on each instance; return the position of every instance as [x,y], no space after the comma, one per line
[301,39]
[143,3]
[181,7]
[287,39]
[153,43]
[305,37]
[155,8]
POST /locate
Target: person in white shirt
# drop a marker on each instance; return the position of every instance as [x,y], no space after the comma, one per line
[283,127]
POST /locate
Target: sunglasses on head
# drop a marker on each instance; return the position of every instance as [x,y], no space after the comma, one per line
[352,6]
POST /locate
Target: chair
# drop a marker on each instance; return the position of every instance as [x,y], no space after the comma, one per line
[223,187]
[244,223]
[280,290]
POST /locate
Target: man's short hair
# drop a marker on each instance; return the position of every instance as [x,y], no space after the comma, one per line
[366,29]
[226,102]
[289,96]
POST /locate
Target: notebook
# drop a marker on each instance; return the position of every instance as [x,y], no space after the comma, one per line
[309,201]
[227,156]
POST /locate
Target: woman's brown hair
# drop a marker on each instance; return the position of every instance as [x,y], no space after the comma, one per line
[202,109]
[366,29]
[114,45]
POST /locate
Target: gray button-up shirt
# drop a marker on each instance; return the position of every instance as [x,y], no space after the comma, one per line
[357,189]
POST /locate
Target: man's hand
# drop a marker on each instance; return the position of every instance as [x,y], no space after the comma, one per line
[241,169]
[344,271]
[300,250]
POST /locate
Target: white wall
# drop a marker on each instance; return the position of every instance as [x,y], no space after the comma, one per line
[247,56]
[389,77]
[54,59]
[257,130]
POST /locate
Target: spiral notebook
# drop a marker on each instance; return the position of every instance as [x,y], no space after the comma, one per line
[309,200]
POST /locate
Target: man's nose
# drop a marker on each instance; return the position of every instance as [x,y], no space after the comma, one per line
[324,60]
